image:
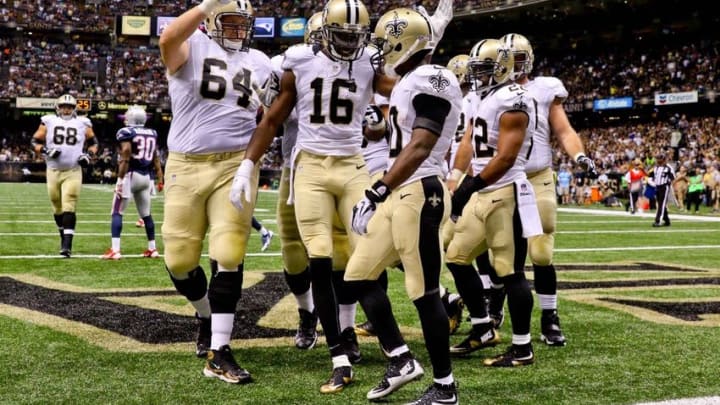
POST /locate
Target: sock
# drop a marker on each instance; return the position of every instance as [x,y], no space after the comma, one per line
[346,314]
[202,307]
[115,244]
[221,326]
[149,228]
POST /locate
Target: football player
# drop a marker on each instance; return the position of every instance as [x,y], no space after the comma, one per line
[211,76]
[329,86]
[549,92]
[402,213]
[137,157]
[61,138]
[496,207]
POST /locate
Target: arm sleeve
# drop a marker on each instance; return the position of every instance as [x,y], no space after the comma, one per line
[430,112]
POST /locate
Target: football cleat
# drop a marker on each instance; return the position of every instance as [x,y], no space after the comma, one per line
[65,253]
[400,371]
[480,337]
[515,356]
[454,311]
[266,239]
[341,377]
[221,364]
[140,223]
[350,341]
[438,394]
[550,332]
[306,335]
[151,253]
[365,329]
[110,254]
[202,344]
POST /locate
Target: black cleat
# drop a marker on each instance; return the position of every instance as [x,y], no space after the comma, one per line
[202,344]
[438,394]
[65,253]
[550,330]
[340,378]
[400,371]
[350,342]
[221,364]
[515,356]
[365,329]
[306,335]
[479,338]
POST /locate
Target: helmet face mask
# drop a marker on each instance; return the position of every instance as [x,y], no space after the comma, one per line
[232,26]
[400,34]
[522,51]
[490,65]
[66,106]
[135,116]
[345,29]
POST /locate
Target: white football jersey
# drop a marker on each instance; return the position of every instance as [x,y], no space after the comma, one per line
[67,136]
[545,90]
[290,127]
[481,152]
[213,103]
[510,97]
[331,100]
[464,120]
[435,81]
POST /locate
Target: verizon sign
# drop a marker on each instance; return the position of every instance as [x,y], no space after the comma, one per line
[686,97]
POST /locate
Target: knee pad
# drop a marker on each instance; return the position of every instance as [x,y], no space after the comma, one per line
[540,249]
[299,283]
[225,291]
[194,286]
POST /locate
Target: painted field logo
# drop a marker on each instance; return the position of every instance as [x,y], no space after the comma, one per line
[147,320]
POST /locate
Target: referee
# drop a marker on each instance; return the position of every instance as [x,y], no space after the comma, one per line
[663,177]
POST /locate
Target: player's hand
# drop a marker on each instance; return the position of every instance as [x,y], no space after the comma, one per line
[84,160]
[241,185]
[207,6]
[362,213]
[440,20]
[374,119]
[463,193]
[160,186]
[119,185]
[51,153]
[588,165]
[364,210]
[269,90]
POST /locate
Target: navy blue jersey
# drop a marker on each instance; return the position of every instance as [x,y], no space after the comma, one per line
[144,145]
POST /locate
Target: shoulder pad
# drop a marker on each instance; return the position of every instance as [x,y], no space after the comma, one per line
[551,85]
[434,79]
[296,55]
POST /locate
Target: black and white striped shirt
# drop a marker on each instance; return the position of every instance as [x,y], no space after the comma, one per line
[664,174]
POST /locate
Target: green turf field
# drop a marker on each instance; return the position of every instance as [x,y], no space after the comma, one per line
[640,307]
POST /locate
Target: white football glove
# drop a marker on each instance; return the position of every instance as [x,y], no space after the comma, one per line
[241,184]
[269,90]
[207,6]
[364,210]
[440,20]
[362,213]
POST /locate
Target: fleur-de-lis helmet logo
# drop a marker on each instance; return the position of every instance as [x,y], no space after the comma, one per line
[439,82]
[396,26]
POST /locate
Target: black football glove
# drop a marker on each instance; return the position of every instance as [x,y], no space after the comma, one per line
[84,160]
[463,192]
[588,165]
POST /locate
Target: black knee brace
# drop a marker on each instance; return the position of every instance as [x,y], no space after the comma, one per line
[225,291]
[194,287]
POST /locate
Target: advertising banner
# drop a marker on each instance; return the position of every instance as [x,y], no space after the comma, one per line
[135,25]
[612,103]
[686,97]
[292,27]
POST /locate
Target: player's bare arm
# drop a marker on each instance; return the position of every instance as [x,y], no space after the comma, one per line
[561,128]
[383,84]
[124,159]
[275,116]
[159,175]
[463,156]
[38,139]
[174,51]
[92,141]
[511,135]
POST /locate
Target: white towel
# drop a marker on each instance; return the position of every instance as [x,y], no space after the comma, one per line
[527,207]
[293,158]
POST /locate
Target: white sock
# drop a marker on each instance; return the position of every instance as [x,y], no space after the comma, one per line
[305,300]
[151,244]
[480,321]
[116,244]
[202,307]
[221,326]
[347,316]
[341,361]
[520,339]
[547,301]
[487,284]
[445,380]
[263,231]
[399,350]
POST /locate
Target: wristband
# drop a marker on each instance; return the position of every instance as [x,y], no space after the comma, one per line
[578,156]
[455,175]
[378,193]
